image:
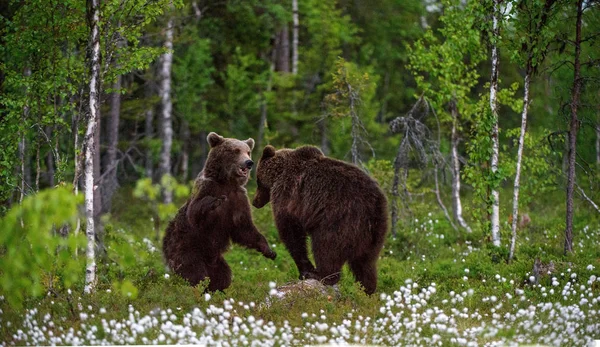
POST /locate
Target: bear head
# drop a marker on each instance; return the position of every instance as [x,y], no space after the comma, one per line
[282,164]
[228,160]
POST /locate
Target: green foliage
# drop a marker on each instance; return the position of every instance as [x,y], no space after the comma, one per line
[152,193]
[192,71]
[447,71]
[352,106]
[34,257]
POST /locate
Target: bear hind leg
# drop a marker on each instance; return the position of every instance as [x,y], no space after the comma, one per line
[329,265]
[193,270]
[219,274]
[365,272]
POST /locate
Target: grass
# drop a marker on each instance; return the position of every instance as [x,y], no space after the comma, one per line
[436,287]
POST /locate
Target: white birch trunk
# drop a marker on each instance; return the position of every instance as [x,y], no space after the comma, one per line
[495,194]
[515,211]
[439,199]
[166,120]
[456,175]
[295,33]
[90,146]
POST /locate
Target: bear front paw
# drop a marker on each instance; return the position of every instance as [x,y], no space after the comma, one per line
[218,202]
[270,254]
[307,275]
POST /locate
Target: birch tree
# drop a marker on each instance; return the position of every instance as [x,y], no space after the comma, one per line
[494,193]
[93,14]
[447,72]
[166,116]
[530,19]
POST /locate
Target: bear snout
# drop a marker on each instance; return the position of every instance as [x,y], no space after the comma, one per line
[249,164]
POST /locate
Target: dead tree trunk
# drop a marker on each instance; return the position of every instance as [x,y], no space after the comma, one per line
[495,194]
[573,128]
[93,14]
[166,120]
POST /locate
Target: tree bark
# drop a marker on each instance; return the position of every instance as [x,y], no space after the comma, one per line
[295,33]
[93,14]
[166,120]
[495,194]
[456,202]
[515,211]
[573,128]
[283,50]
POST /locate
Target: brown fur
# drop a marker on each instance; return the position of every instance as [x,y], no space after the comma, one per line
[335,203]
[217,213]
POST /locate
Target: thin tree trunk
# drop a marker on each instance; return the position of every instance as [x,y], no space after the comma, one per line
[283,50]
[324,138]
[573,128]
[598,138]
[38,168]
[440,202]
[110,184]
[77,162]
[148,130]
[587,198]
[50,160]
[185,150]
[93,15]
[495,194]
[264,107]
[456,202]
[295,33]
[22,168]
[98,186]
[166,117]
[515,211]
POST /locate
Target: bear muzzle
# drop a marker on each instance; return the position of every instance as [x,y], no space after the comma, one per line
[244,170]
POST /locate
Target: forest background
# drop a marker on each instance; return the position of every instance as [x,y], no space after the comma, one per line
[482,116]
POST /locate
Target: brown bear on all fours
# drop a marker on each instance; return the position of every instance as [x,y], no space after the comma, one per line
[217,213]
[338,205]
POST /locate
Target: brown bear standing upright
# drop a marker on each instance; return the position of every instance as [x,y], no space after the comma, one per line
[342,209]
[218,212]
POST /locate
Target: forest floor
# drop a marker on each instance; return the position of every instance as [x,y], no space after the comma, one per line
[436,286]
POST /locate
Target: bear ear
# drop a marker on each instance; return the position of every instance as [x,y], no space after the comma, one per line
[309,152]
[250,143]
[214,139]
[268,152]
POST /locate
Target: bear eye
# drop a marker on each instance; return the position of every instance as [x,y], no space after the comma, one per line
[248,153]
[238,151]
